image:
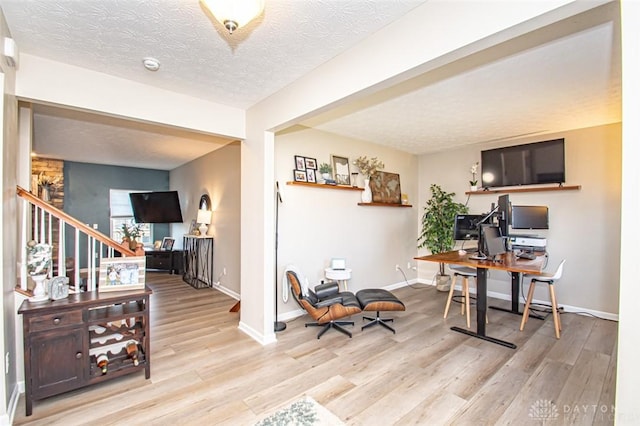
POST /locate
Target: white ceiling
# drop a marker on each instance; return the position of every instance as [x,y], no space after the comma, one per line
[563,77]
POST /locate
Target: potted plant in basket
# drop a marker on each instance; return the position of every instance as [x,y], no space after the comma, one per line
[437,228]
[129,235]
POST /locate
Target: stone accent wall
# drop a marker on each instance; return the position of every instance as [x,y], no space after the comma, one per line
[54,169]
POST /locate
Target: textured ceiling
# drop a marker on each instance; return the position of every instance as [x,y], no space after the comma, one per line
[562,77]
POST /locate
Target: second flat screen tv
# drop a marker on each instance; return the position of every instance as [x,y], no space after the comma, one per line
[528,164]
[156,207]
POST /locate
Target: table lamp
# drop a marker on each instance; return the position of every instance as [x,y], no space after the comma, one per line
[204,219]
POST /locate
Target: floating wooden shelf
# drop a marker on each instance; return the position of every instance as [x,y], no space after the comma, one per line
[322,185]
[384,205]
[538,189]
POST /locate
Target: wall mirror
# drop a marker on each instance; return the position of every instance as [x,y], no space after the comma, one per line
[205,202]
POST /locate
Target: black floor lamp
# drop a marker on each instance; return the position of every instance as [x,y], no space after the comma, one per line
[277,325]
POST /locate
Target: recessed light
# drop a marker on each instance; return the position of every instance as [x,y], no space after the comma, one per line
[152,64]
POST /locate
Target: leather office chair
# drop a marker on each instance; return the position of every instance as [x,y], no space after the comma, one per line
[465,273]
[326,305]
[547,279]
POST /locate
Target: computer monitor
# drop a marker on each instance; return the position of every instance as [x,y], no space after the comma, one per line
[504,213]
[529,217]
[493,241]
[466,226]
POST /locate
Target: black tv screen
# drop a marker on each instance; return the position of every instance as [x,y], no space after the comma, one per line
[528,164]
[529,217]
[156,207]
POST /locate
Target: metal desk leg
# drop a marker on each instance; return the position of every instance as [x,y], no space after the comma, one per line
[481,308]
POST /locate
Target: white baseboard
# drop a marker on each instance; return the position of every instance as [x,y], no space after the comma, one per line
[225,290]
[7,419]
[255,335]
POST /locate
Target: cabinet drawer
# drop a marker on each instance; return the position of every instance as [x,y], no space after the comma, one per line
[47,322]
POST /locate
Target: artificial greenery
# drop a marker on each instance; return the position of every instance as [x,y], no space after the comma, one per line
[325,168]
[438,221]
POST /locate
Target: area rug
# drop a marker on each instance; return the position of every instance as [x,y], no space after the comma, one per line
[303,412]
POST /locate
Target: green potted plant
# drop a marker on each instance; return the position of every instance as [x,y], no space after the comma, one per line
[325,171]
[437,228]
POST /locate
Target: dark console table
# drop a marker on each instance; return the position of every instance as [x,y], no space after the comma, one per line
[165,260]
[198,261]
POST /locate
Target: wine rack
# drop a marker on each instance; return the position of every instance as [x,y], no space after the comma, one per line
[63,338]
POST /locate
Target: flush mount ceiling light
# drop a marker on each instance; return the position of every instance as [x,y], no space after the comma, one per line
[152,64]
[234,14]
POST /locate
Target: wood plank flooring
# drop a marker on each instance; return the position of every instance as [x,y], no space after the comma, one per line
[205,371]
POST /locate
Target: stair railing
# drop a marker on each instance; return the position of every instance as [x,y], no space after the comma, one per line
[47,224]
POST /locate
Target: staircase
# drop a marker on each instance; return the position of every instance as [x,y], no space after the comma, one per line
[44,223]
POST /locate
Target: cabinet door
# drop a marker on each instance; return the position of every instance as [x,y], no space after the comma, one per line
[58,361]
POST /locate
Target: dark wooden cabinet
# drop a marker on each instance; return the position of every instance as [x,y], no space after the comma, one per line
[63,338]
[165,260]
[63,355]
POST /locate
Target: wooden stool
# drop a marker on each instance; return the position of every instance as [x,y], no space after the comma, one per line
[464,272]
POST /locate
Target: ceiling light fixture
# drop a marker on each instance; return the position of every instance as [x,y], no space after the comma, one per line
[152,64]
[234,14]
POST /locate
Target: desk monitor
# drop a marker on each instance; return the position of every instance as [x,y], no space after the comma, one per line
[493,241]
[529,217]
[504,213]
[466,226]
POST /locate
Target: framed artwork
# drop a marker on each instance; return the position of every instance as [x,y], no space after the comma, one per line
[193,227]
[121,273]
[385,188]
[341,170]
[310,163]
[300,162]
[311,175]
[299,176]
[167,244]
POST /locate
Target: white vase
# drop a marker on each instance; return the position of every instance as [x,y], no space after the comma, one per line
[366,194]
[39,291]
[474,187]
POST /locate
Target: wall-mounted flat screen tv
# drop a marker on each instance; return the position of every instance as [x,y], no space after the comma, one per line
[156,207]
[528,164]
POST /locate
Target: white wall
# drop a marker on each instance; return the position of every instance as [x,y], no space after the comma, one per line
[44,80]
[317,224]
[216,174]
[584,225]
[628,370]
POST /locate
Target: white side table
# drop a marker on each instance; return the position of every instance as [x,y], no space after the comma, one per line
[340,275]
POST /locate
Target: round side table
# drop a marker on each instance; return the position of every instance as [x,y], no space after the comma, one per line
[340,275]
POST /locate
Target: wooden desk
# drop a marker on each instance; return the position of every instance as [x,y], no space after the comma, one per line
[506,262]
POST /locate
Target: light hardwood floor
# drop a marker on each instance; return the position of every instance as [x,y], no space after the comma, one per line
[205,371]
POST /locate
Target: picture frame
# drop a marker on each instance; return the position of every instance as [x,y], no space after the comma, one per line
[121,274]
[385,188]
[341,173]
[310,163]
[311,176]
[193,227]
[167,244]
[299,176]
[300,162]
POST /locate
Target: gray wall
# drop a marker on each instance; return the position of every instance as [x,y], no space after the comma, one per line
[86,188]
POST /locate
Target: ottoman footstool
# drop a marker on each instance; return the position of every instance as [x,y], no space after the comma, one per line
[377,300]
